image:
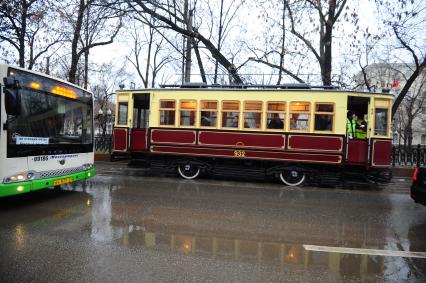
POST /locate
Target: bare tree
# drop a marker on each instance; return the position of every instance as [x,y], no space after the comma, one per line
[148,51]
[91,23]
[222,17]
[328,13]
[407,21]
[272,52]
[107,80]
[299,36]
[170,15]
[23,25]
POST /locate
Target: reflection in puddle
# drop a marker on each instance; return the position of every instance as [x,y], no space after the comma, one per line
[276,253]
[182,220]
[101,215]
[19,237]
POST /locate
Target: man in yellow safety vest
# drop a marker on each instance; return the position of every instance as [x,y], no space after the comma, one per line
[360,128]
[351,124]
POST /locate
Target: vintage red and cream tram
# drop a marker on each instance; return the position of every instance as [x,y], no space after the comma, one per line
[295,133]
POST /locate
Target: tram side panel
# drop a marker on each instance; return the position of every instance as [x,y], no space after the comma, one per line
[262,146]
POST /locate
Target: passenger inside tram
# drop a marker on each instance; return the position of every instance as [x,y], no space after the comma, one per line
[275,122]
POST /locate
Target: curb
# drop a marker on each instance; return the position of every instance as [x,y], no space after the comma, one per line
[399,172]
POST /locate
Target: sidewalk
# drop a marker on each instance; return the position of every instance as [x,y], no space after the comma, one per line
[403,172]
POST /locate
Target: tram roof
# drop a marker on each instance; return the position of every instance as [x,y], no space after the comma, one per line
[253,87]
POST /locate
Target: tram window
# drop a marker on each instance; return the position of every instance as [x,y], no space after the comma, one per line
[381,122]
[122,113]
[299,116]
[167,112]
[208,113]
[324,116]
[275,115]
[230,114]
[188,110]
[252,114]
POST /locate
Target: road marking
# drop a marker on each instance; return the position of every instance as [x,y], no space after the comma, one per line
[364,251]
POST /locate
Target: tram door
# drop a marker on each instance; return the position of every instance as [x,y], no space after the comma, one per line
[138,135]
[357,148]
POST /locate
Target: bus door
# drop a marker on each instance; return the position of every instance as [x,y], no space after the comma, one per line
[139,132]
[357,147]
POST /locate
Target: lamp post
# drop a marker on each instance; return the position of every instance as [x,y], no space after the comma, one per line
[109,119]
[100,120]
[105,121]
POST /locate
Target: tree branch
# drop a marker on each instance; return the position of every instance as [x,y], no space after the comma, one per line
[282,69]
[298,35]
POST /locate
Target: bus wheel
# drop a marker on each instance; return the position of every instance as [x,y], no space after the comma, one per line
[292,177]
[188,171]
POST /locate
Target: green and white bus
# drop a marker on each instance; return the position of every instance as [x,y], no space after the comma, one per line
[46,135]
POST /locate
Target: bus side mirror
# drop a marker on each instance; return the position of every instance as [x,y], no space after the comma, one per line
[12,97]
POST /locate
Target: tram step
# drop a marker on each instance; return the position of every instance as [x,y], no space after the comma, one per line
[239,172]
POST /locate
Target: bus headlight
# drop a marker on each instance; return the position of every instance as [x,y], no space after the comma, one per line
[19,177]
[87,166]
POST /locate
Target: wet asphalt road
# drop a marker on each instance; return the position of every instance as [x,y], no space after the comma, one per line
[150,228]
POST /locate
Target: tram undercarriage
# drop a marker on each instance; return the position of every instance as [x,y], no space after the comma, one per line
[289,173]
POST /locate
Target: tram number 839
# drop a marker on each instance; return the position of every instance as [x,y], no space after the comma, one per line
[239,153]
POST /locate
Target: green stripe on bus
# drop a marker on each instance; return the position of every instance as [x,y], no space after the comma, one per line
[34,185]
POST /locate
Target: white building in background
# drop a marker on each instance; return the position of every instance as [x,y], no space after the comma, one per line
[391,78]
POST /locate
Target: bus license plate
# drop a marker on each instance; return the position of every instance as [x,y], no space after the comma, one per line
[62,181]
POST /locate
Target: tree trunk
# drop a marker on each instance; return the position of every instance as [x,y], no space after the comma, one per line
[86,69]
[188,59]
[148,59]
[407,86]
[326,44]
[326,62]
[200,63]
[22,33]
[86,53]
[280,72]
[47,66]
[219,42]
[74,45]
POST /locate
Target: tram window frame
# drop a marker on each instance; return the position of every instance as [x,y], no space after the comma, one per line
[225,112]
[168,109]
[299,112]
[246,111]
[281,115]
[387,116]
[192,114]
[324,113]
[120,118]
[209,110]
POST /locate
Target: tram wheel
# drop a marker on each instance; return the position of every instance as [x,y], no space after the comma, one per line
[188,171]
[292,177]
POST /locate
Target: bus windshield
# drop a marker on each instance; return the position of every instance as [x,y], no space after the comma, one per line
[51,113]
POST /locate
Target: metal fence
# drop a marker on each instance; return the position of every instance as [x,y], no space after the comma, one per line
[103,143]
[406,156]
[401,155]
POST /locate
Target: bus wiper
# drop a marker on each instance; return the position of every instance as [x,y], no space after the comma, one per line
[32,148]
[65,139]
